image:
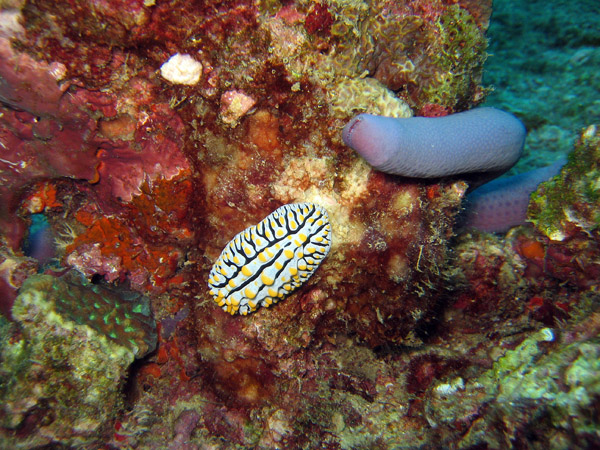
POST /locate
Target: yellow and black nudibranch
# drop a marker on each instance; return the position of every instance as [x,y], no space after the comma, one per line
[267,261]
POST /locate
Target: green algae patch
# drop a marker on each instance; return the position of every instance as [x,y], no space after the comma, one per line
[514,375]
[548,383]
[462,50]
[568,203]
[566,381]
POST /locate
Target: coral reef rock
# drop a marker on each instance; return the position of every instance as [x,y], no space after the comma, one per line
[404,336]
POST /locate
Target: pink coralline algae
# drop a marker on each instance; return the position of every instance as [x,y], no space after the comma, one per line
[116,150]
[144,181]
[235,104]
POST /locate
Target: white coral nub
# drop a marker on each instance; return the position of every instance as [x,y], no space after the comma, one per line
[181,69]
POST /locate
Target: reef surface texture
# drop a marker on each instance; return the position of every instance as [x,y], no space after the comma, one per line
[145,135]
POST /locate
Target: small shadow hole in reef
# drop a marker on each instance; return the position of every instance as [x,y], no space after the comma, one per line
[97,279]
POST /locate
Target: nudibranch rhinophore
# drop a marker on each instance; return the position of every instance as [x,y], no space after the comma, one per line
[267,261]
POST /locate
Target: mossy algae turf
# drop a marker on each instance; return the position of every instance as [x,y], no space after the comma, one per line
[571,199]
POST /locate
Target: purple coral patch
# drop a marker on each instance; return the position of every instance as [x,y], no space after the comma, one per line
[479,140]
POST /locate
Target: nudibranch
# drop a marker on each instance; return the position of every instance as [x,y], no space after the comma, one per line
[266,262]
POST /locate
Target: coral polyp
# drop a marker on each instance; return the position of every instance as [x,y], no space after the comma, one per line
[65,359]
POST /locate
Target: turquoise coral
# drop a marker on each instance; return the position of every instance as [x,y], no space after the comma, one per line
[111,316]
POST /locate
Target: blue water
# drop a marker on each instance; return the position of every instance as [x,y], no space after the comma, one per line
[544,66]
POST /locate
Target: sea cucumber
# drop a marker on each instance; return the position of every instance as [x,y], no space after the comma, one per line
[502,203]
[475,141]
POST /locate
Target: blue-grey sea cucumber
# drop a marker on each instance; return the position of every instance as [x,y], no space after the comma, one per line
[267,261]
[479,140]
[502,203]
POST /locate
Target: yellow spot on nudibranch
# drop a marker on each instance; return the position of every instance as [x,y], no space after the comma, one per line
[266,280]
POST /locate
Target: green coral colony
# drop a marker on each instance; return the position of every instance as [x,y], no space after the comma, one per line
[267,261]
[121,317]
